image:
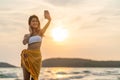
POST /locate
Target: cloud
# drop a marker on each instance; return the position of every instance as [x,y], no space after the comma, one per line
[64,2]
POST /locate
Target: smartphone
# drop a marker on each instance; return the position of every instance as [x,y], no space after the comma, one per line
[46,13]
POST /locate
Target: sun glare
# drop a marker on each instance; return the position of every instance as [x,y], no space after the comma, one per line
[59,34]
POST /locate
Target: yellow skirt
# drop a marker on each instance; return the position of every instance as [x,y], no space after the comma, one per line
[32,61]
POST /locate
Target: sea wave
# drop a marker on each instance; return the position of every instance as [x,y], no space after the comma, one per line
[8,75]
[65,74]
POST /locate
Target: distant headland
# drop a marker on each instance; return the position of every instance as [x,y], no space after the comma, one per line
[6,65]
[71,62]
[78,62]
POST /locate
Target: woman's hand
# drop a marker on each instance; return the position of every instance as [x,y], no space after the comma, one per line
[47,15]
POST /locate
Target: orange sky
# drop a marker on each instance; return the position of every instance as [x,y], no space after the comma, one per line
[93,27]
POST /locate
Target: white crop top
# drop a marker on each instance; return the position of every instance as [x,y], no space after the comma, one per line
[35,38]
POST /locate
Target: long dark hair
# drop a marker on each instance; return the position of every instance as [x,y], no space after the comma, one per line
[38,29]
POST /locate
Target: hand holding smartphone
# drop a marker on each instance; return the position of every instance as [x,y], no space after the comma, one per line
[47,15]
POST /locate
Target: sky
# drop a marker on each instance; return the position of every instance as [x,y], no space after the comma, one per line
[93,27]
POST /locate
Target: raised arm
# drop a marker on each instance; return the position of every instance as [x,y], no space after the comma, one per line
[47,16]
[45,27]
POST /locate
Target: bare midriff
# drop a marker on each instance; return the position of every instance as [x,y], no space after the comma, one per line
[34,46]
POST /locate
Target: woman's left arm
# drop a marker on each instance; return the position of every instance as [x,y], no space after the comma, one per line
[47,16]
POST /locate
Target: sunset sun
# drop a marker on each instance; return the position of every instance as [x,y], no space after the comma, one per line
[59,34]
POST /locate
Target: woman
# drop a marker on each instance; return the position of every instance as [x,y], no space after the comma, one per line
[31,59]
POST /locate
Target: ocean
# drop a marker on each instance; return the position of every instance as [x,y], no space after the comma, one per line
[64,73]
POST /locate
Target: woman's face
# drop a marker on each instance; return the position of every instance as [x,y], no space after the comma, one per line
[34,23]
